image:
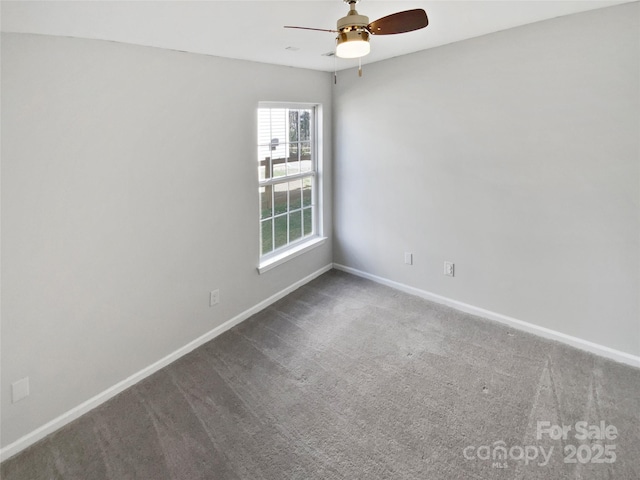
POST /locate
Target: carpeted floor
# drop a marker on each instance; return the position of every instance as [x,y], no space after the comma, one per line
[348,379]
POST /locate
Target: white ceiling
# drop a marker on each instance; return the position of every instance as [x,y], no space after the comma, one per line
[253,30]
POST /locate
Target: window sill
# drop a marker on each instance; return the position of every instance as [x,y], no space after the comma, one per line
[290,253]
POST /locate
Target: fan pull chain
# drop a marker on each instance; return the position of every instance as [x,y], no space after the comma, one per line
[359,66]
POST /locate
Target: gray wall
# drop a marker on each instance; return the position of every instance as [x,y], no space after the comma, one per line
[129,191]
[514,155]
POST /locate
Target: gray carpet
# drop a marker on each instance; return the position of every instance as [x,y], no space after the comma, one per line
[347,379]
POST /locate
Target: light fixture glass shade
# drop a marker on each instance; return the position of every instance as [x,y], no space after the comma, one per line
[353,44]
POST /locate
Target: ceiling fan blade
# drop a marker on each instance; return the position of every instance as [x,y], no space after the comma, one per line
[316,29]
[400,22]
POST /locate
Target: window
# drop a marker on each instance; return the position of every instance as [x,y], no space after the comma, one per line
[288,176]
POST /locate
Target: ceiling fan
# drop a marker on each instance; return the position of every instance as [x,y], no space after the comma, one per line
[354,29]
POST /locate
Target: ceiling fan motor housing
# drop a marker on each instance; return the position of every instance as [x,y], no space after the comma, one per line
[353,21]
[353,36]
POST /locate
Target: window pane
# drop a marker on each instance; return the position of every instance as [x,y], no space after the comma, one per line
[264,166]
[305,124]
[307,184]
[278,126]
[277,149]
[295,226]
[305,151]
[293,126]
[307,217]
[292,151]
[280,198]
[264,126]
[306,166]
[266,236]
[265,201]
[280,226]
[295,194]
[293,163]
[279,167]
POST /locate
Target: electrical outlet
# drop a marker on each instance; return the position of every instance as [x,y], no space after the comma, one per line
[214,298]
[408,258]
[449,269]
[19,390]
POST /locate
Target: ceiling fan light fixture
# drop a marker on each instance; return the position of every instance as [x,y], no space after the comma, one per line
[353,44]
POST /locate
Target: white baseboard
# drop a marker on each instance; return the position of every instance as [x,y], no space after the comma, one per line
[67,417]
[576,342]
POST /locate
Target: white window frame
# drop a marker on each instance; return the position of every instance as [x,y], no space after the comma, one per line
[315,239]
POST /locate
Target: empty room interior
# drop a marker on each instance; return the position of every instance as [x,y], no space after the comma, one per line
[394,240]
